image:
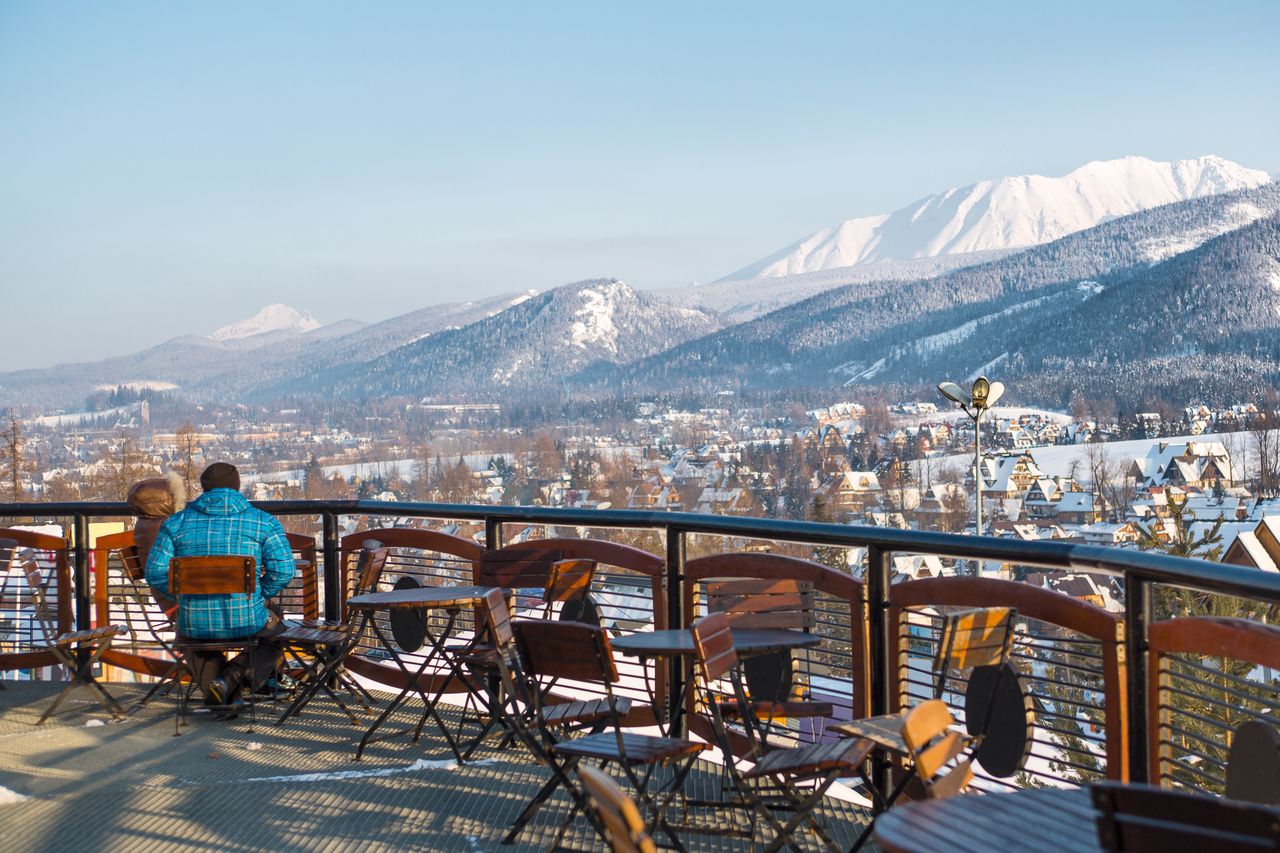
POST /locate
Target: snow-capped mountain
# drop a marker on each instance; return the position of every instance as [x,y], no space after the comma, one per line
[273,318]
[1008,213]
[1088,304]
[534,344]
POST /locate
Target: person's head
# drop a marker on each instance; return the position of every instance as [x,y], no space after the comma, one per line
[220,475]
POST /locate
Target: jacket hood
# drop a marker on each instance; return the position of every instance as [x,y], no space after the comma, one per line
[158,497]
[220,502]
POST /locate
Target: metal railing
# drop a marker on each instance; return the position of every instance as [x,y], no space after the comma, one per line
[1096,676]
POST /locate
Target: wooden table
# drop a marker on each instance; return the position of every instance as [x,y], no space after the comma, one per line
[1033,819]
[452,600]
[678,643]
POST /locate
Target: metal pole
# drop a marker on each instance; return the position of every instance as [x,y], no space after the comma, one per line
[1138,608]
[493,533]
[675,619]
[80,557]
[880,656]
[977,465]
[332,569]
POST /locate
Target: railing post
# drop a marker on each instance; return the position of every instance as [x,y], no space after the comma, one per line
[332,568]
[80,565]
[880,655]
[1138,607]
[492,533]
[675,619]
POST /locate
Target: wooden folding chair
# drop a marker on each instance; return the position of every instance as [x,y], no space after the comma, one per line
[624,827]
[1147,819]
[777,603]
[932,745]
[567,584]
[79,652]
[209,575]
[319,648]
[579,652]
[796,778]
[969,639]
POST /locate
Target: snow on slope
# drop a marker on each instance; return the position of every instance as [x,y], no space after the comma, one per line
[1008,213]
[273,318]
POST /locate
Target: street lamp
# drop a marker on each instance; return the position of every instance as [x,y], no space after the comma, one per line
[975,404]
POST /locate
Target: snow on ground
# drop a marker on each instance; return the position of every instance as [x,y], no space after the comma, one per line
[951,414]
[7,797]
[1056,460]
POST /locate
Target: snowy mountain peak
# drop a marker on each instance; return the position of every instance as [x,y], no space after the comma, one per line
[1008,213]
[272,318]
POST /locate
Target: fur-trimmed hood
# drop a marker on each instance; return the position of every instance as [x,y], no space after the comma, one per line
[158,497]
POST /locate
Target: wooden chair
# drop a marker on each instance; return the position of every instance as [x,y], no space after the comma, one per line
[567,585]
[79,652]
[319,648]
[1148,819]
[969,639]
[578,652]
[932,745]
[797,777]
[624,827]
[209,575]
[568,582]
[782,604]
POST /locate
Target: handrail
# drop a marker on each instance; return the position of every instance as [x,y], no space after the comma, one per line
[1149,566]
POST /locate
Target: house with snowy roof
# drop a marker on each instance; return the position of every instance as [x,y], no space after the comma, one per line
[1007,475]
[1258,547]
[1079,508]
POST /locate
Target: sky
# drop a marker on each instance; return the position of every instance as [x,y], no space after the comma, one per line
[168,168]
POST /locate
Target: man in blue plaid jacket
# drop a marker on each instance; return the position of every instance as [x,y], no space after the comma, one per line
[222,521]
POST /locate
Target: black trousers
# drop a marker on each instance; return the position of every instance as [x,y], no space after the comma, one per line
[250,668]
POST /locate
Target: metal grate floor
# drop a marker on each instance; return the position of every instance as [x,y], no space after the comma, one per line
[86,784]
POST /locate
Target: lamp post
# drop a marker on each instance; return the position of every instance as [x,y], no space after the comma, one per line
[975,404]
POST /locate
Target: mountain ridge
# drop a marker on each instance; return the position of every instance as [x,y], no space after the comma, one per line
[1007,213]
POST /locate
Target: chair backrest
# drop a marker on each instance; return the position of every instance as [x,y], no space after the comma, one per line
[617,811]
[570,580]
[713,646]
[971,638]
[517,566]
[571,650]
[763,602]
[1142,818]
[369,565]
[932,745]
[497,618]
[213,575]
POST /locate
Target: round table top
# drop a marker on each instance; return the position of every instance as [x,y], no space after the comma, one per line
[437,597]
[678,642]
[1032,819]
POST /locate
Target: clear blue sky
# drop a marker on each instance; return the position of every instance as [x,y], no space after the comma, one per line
[168,168]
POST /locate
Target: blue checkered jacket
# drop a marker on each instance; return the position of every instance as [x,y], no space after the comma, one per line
[221,521]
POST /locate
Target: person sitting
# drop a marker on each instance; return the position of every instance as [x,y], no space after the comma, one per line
[222,522]
[154,500]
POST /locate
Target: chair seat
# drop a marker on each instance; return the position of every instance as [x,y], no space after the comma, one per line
[588,711]
[313,636]
[91,635]
[818,758]
[765,709]
[885,731]
[636,749]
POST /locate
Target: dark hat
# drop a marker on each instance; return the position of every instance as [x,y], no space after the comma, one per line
[220,475]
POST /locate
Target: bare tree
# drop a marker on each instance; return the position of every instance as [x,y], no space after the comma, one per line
[13,461]
[1266,442]
[187,448]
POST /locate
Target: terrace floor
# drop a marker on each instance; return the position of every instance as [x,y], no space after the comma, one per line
[88,784]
